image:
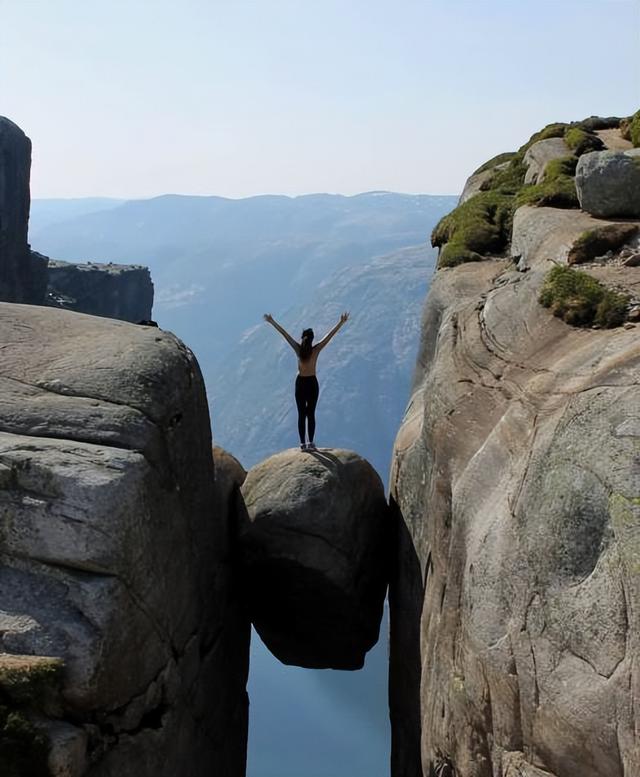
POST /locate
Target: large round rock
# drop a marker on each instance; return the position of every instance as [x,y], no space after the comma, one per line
[608,183]
[314,544]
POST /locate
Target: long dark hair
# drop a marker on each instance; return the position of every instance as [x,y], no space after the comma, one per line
[305,345]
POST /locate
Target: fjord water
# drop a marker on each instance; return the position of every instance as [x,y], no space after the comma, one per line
[217,265]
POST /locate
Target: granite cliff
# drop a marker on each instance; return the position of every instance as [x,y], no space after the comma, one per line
[26,276]
[515,598]
[127,643]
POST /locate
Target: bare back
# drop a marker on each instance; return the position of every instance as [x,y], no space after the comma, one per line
[307,367]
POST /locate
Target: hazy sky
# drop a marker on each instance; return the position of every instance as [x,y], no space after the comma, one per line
[232,97]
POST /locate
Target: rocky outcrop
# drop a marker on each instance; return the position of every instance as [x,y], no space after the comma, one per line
[112,555]
[314,543]
[23,275]
[515,646]
[113,290]
[538,156]
[608,183]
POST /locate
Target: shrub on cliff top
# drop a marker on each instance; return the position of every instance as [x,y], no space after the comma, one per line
[480,225]
[581,141]
[580,300]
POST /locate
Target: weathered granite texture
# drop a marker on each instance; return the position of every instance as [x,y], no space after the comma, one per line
[23,275]
[314,543]
[112,554]
[515,631]
[608,183]
[538,156]
[113,290]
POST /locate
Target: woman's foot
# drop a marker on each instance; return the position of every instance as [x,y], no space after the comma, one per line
[311,446]
[303,446]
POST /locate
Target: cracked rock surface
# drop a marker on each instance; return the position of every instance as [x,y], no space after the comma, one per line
[314,547]
[114,548]
[515,632]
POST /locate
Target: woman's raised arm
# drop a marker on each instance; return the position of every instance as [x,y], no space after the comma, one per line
[343,320]
[293,343]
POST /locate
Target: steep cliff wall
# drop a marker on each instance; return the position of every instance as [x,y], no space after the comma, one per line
[115,548]
[113,290]
[23,275]
[515,644]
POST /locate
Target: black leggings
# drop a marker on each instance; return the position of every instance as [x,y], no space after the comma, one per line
[307,391]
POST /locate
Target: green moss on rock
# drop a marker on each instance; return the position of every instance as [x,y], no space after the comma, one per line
[480,225]
[634,129]
[580,141]
[596,242]
[23,749]
[580,300]
[28,685]
[558,192]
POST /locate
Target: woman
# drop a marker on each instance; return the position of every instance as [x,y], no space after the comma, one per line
[307,388]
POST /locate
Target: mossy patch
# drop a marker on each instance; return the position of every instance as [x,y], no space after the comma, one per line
[23,749]
[483,223]
[480,225]
[28,685]
[596,242]
[634,129]
[630,129]
[580,141]
[580,300]
[558,192]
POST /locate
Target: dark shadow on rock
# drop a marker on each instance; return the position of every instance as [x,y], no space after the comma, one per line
[406,596]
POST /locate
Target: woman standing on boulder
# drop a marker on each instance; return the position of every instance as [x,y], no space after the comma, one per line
[307,388]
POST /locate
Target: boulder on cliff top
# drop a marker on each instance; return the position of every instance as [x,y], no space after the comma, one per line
[608,183]
[538,156]
[314,546]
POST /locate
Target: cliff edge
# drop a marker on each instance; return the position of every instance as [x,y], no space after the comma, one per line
[515,602]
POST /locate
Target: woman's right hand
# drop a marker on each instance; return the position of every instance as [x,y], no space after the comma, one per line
[344,317]
[268,318]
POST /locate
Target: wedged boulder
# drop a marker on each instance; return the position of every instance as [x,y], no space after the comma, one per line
[314,545]
[114,555]
[538,156]
[608,183]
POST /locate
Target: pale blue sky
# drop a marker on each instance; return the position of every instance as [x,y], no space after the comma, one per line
[237,97]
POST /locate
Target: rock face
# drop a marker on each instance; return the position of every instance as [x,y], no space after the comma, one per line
[314,545]
[515,631]
[112,555]
[539,155]
[23,275]
[608,183]
[113,290]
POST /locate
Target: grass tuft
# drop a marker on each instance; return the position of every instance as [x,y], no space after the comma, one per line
[580,300]
[581,142]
